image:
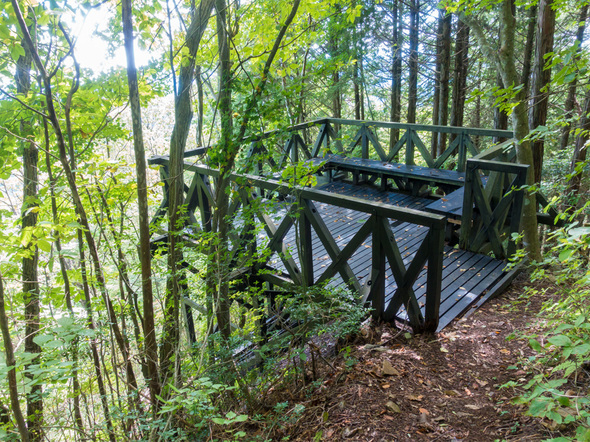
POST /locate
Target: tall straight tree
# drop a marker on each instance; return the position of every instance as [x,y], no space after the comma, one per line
[580,150]
[182,120]
[151,346]
[396,70]
[30,261]
[571,92]
[445,68]
[541,78]
[460,74]
[503,56]
[413,62]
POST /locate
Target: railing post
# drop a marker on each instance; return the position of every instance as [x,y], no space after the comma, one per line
[306,247]
[436,238]
[409,147]
[462,153]
[377,281]
[364,143]
[467,212]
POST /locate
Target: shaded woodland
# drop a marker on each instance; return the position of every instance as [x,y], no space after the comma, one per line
[94,326]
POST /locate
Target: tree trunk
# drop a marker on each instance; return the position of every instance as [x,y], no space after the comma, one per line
[571,92]
[145,257]
[182,120]
[579,155]
[500,117]
[541,79]
[506,65]
[11,363]
[460,74]
[30,262]
[525,78]
[220,225]
[413,62]
[437,70]
[445,68]
[396,72]
[75,195]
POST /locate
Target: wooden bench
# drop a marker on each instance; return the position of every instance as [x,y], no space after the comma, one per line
[406,177]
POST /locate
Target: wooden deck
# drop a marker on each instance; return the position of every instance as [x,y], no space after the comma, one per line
[380,232]
[466,277]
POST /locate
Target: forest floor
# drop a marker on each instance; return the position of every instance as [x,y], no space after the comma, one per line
[388,386]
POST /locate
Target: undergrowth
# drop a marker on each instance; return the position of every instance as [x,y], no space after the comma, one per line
[559,389]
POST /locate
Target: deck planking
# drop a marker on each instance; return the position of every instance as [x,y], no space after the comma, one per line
[466,275]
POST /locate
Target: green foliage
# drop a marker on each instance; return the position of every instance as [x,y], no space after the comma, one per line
[563,348]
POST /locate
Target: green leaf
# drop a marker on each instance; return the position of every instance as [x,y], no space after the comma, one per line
[44,245]
[581,349]
[565,254]
[535,345]
[539,406]
[560,341]
[42,339]
[241,418]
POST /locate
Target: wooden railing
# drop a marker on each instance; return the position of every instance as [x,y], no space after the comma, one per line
[297,266]
[364,137]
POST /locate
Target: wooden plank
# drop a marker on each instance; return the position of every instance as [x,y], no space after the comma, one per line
[470,298]
[423,150]
[425,127]
[373,139]
[447,153]
[330,244]
[397,147]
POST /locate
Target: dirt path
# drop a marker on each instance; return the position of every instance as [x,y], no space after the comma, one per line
[387,387]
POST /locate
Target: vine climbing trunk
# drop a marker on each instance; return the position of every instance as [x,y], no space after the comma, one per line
[504,57]
[182,120]
[149,332]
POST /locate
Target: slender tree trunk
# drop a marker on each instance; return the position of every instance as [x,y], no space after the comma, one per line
[30,263]
[149,332]
[541,79]
[437,71]
[571,92]
[11,363]
[200,106]
[581,148]
[225,157]
[505,63]
[76,392]
[357,90]
[335,89]
[182,120]
[445,68]
[396,73]
[525,78]
[413,63]
[79,207]
[460,75]
[500,117]
[222,300]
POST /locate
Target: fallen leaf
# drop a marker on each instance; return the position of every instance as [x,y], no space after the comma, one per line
[388,369]
[473,407]
[424,410]
[393,407]
[385,386]
[415,398]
